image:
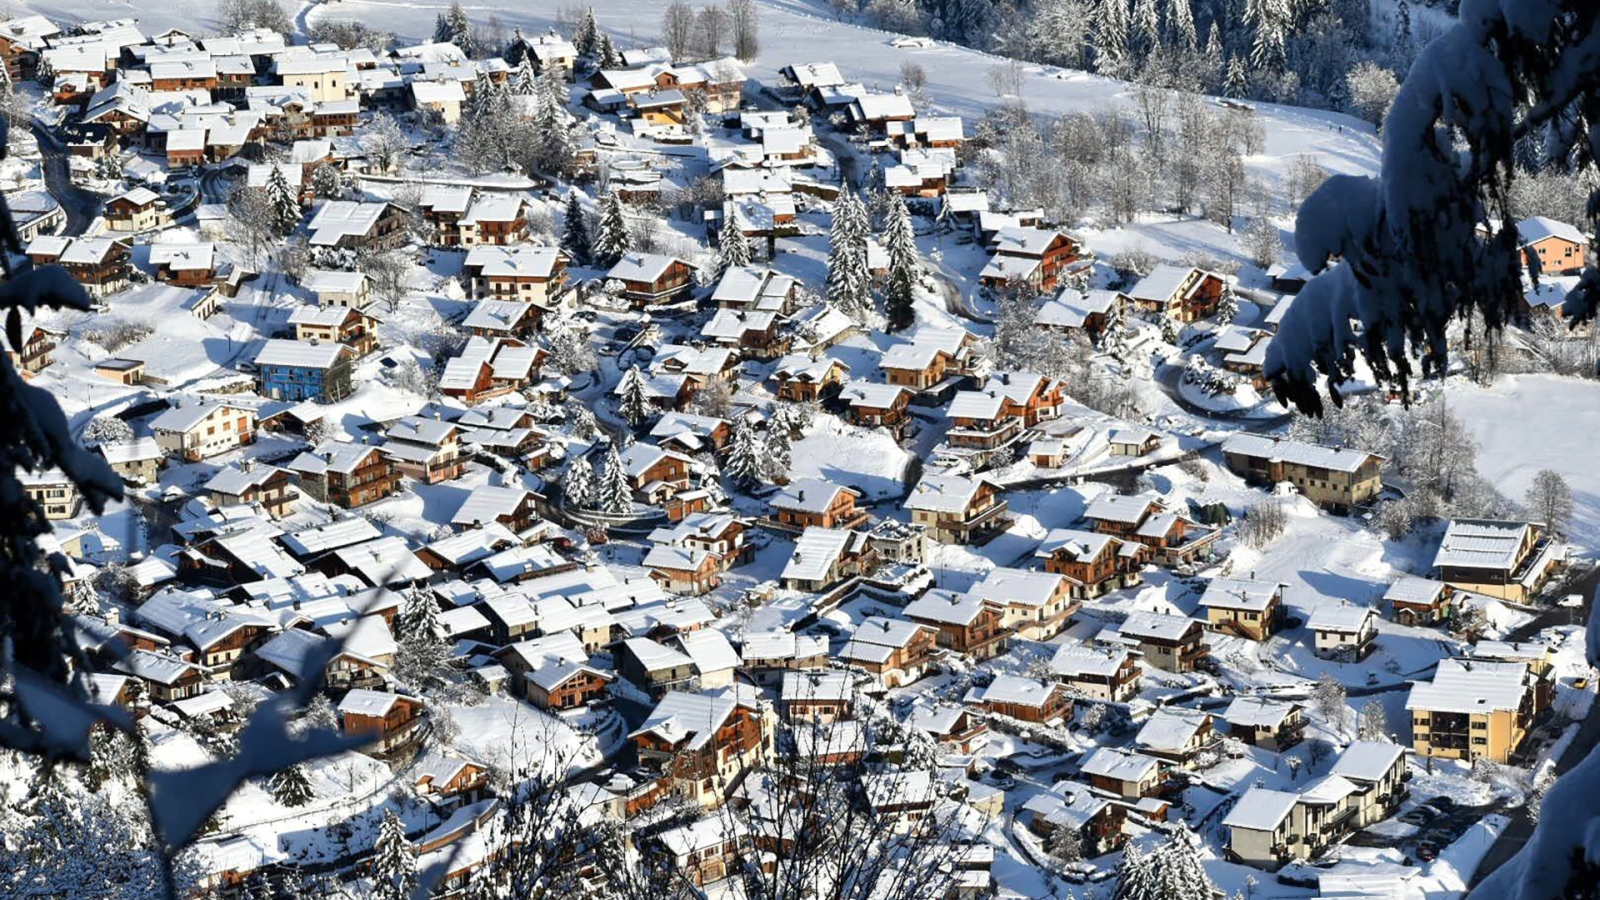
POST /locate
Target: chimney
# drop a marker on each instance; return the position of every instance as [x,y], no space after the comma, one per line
[802,496]
[113,616]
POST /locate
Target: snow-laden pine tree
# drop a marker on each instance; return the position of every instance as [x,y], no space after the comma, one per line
[525,81]
[1180,26]
[733,248]
[610,57]
[614,239]
[776,452]
[458,30]
[291,787]
[394,865]
[1236,83]
[586,36]
[1269,20]
[1112,29]
[900,288]
[281,198]
[615,494]
[1146,27]
[1178,872]
[849,282]
[744,464]
[1227,307]
[1135,875]
[578,484]
[575,230]
[422,655]
[634,398]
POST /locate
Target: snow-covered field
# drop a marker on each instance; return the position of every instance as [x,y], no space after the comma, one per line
[1525,423]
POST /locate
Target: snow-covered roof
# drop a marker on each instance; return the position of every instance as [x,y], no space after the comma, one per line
[1297,453]
[695,717]
[1125,509]
[518,261]
[1414,589]
[1170,728]
[815,551]
[1482,544]
[1534,229]
[1261,809]
[1341,617]
[374,704]
[947,493]
[1119,765]
[709,649]
[330,536]
[301,354]
[1077,660]
[804,686]
[1074,543]
[136,450]
[646,267]
[338,219]
[1367,760]
[1019,587]
[1471,687]
[1014,689]
[488,503]
[1240,593]
[1257,712]
[809,495]
[1159,626]
[946,607]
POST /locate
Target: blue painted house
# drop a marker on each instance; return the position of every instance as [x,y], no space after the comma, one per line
[304,370]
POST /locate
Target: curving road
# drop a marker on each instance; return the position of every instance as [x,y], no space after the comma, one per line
[1167,378]
[80,205]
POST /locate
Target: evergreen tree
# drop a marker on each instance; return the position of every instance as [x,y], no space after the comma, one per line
[441,29]
[422,654]
[1177,870]
[284,204]
[1135,875]
[635,400]
[419,617]
[578,485]
[615,495]
[1227,307]
[1270,19]
[555,147]
[1217,74]
[291,787]
[106,759]
[1180,25]
[776,451]
[904,270]
[849,282]
[1111,53]
[524,82]
[575,230]
[585,39]
[1236,84]
[744,465]
[1146,27]
[733,249]
[610,58]
[614,240]
[458,30]
[394,866]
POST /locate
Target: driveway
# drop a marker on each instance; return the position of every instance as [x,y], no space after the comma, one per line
[80,205]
